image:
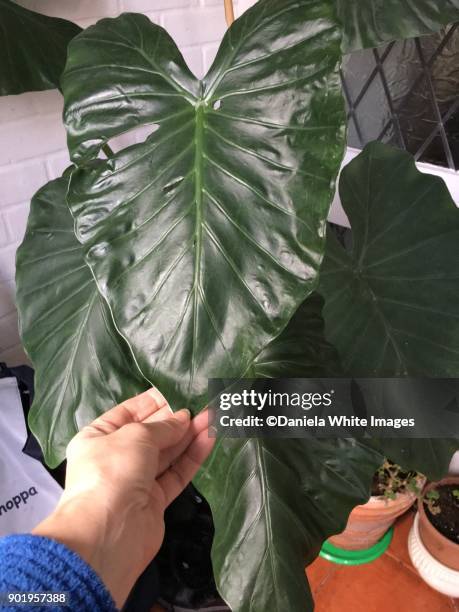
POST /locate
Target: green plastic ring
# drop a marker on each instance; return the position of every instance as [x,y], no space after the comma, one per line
[356,557]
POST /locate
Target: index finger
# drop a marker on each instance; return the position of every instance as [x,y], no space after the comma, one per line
[133,410]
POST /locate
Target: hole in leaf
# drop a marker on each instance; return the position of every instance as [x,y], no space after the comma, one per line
[136,135]
[217,104]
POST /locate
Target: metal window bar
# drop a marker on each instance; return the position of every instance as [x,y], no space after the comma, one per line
[440,117]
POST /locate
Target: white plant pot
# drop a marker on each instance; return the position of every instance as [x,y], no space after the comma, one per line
[438,576]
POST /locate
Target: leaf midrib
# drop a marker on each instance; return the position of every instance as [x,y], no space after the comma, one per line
[198,199]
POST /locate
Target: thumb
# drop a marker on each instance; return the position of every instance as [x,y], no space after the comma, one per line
[168,431]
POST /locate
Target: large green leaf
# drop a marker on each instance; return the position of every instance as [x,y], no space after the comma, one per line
[391,302]
[369,23]
[33,49]
[273,503]
[205,238]
[430,456]
[301,349]
[83,367]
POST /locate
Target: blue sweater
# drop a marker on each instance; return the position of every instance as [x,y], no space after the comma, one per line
[36,564]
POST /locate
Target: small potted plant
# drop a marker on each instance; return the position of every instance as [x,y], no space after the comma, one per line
[433,542]
[393,491]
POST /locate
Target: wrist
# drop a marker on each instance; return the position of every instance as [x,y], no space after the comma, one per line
[95,533]
[78,526]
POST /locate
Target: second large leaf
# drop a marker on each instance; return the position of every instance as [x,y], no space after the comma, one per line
[205,238]
[370,23]
[391,302]
[32,49]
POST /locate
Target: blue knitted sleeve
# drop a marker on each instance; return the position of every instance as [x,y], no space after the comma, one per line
[34,563]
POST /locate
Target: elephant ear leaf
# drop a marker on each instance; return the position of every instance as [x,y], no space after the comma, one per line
[391,300]
[33,49]
[274,501]
[205,238]
[83,367]
[370,23]
[301,350]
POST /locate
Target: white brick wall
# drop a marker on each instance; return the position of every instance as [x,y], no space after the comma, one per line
[32,139]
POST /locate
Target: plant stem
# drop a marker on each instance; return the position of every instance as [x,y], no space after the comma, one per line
[229,12]
[108,151]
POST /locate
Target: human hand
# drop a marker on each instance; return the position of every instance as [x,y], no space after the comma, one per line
[123,470]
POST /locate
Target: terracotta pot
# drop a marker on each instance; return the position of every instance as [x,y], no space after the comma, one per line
[368,523]
[439,546]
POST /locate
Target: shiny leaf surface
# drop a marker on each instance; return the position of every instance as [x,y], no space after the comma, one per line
[370,23]
[83,367]
[274,502]
[391,302]
[33,49]
[205,238]
[301,349]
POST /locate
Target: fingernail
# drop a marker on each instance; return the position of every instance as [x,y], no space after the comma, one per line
[156,394]
[183,414]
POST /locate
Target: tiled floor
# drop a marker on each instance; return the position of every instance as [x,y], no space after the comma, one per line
[389,584]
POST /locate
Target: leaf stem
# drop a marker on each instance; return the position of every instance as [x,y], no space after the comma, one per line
[108,151]
[229,12]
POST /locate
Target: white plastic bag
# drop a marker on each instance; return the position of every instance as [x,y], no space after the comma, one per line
[27,492]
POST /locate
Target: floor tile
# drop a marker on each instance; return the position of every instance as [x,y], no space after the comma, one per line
[389,584]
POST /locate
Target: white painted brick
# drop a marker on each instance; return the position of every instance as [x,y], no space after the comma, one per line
[19,182]
[7,262]
[195,26]
[31,137]
[144,6]
[220,2]
[242,5]
[209,53]
[16,221]
[57,163]
[13,108]
[85,23]
[154,17]
[193,58]
[141,133]
[48,102]
[73,10]
[7,291]
[4,236]
[14,356]
[9,334]
[122,141]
